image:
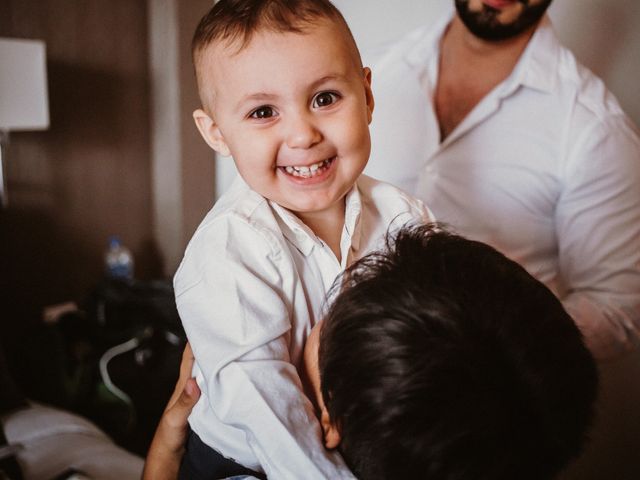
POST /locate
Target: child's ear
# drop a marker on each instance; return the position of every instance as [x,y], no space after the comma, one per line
[330,430]
[211,132]
[368,92]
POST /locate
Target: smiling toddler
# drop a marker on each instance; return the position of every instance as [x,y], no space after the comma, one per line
[284,93]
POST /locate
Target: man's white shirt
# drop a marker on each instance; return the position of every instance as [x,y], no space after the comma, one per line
[546,168]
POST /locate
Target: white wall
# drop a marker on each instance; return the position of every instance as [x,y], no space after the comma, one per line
[604,35]
[378,21]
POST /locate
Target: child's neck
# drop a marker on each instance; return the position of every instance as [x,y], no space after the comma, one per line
[327,225]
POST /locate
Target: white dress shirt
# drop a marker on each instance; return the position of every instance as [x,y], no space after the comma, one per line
[546,168]
[251,286]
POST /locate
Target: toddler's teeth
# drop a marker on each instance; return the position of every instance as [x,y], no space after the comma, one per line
[307,171]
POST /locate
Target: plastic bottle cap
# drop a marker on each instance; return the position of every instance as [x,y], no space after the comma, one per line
[114,241]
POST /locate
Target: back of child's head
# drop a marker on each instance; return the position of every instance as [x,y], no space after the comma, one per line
[237,21]
[443,359]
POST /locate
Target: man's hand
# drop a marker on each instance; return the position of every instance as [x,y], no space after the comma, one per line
[167,447]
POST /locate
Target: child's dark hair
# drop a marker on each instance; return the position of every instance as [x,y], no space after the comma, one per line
[443,359]
[239,20]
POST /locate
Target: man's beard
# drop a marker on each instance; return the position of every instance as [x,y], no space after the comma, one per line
[485,25]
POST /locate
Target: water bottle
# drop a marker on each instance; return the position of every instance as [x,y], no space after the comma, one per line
[118,260]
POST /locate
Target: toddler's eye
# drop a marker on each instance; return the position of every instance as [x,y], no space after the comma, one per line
[324,99]
[262,113]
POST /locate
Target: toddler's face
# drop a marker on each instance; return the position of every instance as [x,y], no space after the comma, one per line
[293,110]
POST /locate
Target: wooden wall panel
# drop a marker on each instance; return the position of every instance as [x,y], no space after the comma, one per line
[88,176]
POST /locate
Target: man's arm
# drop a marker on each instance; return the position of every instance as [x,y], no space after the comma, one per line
[167,447]
[598,230]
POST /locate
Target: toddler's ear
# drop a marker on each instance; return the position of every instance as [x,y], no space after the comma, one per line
[210,132]
[368,92]
[331,431]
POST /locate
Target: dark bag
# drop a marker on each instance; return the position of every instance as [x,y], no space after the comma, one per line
[139,340]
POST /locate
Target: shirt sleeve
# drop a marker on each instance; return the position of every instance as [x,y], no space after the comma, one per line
[232,295]
[598,231]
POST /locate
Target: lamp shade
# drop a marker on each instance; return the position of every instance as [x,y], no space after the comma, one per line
[24,101]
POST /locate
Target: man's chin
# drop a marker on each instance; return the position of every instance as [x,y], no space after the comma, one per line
[494,24]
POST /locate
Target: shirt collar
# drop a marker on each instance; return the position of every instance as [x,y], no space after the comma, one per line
[352,222]
[303,238]
[425,47]
[537,67]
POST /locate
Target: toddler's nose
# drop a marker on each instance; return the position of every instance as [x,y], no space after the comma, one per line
[302,132]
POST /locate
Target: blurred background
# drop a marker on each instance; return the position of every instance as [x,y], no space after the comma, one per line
[121,155]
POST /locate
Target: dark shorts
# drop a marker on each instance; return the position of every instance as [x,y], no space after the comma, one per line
[201,462]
